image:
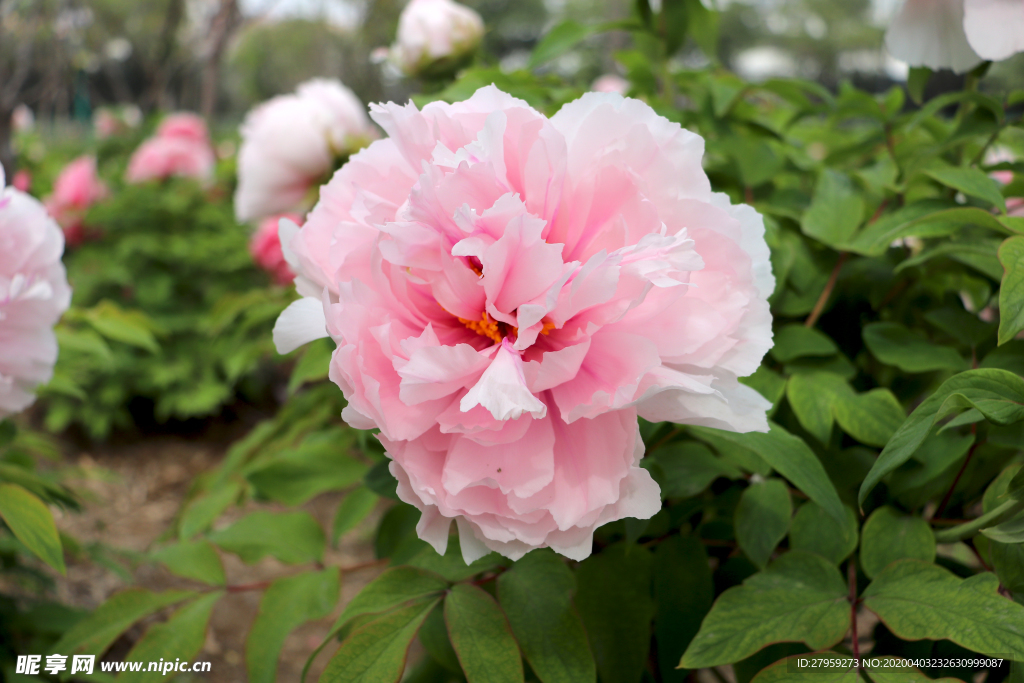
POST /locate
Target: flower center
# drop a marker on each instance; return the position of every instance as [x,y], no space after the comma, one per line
[495,330]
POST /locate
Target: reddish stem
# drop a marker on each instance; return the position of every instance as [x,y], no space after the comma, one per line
[242,587]
[967,461]
[819,306]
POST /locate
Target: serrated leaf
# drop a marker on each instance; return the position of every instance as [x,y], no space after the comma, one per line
[197,560]
[292,537]
[32,524]
[762,519]
[354,508]
[481,636]
[376,651]
[796,341]
[917,599]
[683,592]
[536,594]
[814,531]
[614,601]
[180,637]
[1000,394]
[894,344]
[971,182]
[287,604]
[95,633]
[1011,292]
[800,597]
[836,210]
[889,536]
[793,459]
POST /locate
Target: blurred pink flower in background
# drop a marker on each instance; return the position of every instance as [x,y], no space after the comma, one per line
[509,292]
[34,293]
[77,188]
[265,247]
[22,180]
[181,147]
[610,83]
[109,121]
[22,119]
[290,144]
[430,31]
[1014,205]
[956,34]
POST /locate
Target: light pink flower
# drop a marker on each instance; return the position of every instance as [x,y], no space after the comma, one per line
[181,147]
[290,144]
[77,188]
[265,247]
[433,30]
[956,34]
[34,293]
[610,83]
[22,119]
[509,292]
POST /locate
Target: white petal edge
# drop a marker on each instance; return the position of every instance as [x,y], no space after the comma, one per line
[302,322]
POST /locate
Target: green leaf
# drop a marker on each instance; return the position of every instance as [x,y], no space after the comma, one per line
[704,27]
[395,587]
[916,82]
[889,536]
[481,636]
[918,600]
[686,468]
[180,637]
[894,344]
[683,592]
[793,459]
[313,365]
[292,537]
[200,512]
[434,637]
[380,480]
[287,604]
[871,418]
[94,634]
[376,651]
[789,670]
[800,597]
[320,463]
[811,395]
[614,601]
[796,341]
[536,594]
[451,566]
[197,560]
[1010,531]
[971,182]
[925,219]
[836,211]
[762,519]
[1000,394]
[814,531]
[354,508]
[128,327]
[1011,292]
[32,524]
[559,40]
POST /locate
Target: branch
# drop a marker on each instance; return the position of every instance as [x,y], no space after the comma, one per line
[1002,513]
[819,306]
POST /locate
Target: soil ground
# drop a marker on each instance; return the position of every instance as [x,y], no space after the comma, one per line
[132,493]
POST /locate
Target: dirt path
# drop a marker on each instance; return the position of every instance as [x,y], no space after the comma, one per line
[132,493]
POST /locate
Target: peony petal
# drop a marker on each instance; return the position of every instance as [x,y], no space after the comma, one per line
[302,322]
[931,33]
[994,28]
[502,389]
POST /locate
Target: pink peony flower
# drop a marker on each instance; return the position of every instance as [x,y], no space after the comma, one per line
[77,188]
[290,143]
[34,293]
[430,31]
[265,247]
[181,147]
[610,83]
[22,180]
[509,292]
[956,34]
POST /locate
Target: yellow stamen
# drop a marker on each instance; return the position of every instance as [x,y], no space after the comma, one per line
[484,327]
